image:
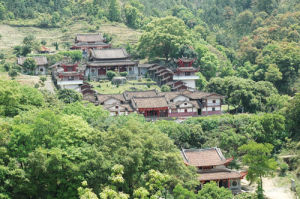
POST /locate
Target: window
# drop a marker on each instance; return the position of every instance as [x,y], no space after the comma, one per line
[93,70]
[187,73]
[41,70]
[70,78]
[185,104]
[171,100]
[213,109]
[214,101]
[117,107]
[185,110]
[234,183]
[70,68]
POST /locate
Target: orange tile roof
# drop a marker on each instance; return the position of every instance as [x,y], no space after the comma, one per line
[203,157]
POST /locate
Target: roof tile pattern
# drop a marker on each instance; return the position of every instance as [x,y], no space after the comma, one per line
[203,157]
[219,175]
[40,61]
[89,38]
[106,54]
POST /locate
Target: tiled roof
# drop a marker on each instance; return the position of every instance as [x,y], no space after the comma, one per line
[219,175]
[126,107]
[112,63]
[40,61]
[102,98]
[203,157]
[150,102]
[89,38]
[85,44]
[130,94]
[145,65]
[104,54]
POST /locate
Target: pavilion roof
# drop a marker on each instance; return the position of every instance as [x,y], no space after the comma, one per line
[203,157]
[40,61]
[223,174]
[107,54]
[98,37]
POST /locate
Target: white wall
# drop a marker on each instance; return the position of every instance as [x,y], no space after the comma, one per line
[180,98]
[111,101]
[190,83]
[210,101]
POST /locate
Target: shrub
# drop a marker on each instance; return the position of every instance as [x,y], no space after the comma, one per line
[123,74]
[110,75]
[283,168]
[6,67]
[36,85]
[12,73]
[69,96]
[165,88]
[149,80]
[43,78]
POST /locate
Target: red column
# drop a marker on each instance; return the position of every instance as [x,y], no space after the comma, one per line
[228,183]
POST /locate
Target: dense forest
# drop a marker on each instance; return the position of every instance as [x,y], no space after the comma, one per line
[245,50]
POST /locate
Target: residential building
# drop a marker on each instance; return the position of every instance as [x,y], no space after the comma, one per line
[212,166]
[41,62]
[153,104]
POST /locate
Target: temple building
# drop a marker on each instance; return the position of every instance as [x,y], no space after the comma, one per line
[68,76]
[212,166]
[41,62]
[89,41]
[186,73]
[104,60]
[153,104]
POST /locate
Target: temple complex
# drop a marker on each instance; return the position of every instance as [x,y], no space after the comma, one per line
[212,166]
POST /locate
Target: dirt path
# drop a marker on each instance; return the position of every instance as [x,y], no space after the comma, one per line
[49,84]
[273,191]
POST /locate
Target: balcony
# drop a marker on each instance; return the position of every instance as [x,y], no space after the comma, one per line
[192,77]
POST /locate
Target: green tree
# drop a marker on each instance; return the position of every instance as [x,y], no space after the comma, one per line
[285,57]
[179,192]
[163,37]
[15,98]
[273,73]
[292,114]
[133,16]
[2,11]
[29,66]
[201,82]
[114,13]
[258,158]
[69,96]
[212,191]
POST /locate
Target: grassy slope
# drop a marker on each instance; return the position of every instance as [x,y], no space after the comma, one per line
[13,35]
